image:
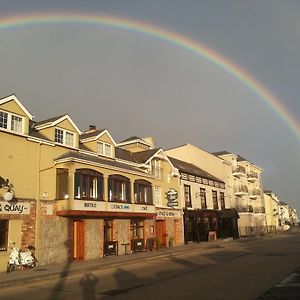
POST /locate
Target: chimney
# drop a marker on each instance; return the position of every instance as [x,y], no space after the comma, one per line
[92,127]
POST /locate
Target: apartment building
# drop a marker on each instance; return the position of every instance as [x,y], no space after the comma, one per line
[247,197]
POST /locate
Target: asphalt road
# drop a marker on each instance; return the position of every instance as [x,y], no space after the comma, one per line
[242,270]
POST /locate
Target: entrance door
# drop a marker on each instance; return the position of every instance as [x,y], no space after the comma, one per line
[161,233]
[78,240]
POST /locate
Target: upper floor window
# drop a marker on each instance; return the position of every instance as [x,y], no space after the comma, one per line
[187,196]
[157,196]
[215,200]
[222,200]
[142,192]
[11,122]
[203,198]
[62,183]
[88,184]
[119,188]
[64,137]
[156,168]
[104,149]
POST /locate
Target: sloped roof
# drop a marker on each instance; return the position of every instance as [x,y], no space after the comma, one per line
[191,169]
[143,156]
[50,120]
[132,138]
[125,155]
[91,134]
[95,159]
[221,153]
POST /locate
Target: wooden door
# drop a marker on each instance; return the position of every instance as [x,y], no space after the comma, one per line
[161,232]
[78,240]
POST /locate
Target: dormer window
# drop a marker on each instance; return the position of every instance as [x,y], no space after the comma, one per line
[64,137]
[11,122]
[105,149]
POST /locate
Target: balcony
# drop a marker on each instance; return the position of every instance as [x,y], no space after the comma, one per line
[254,194]
[241,190]
[259,210]
[245,209]
[252,177]
[239,171]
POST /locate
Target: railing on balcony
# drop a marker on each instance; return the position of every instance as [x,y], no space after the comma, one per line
[252,176]
[241,190]
[255,193]
[259,210]
[239,171]
[245,209]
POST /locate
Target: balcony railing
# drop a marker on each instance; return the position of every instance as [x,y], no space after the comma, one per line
[254,194]
[259,210]
[241,190]
[239,171]
[252,176]
[245,209]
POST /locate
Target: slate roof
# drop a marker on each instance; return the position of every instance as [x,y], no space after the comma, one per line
[91,134]
[221,153]
[125,155]
[143,156]
[95,159]
[50,120]
[191,169]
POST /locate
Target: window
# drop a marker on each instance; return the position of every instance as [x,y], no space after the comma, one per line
[11,122]
[157,195]
[62,184]
[215,200]
[3,119]
[143,192]
[156,169]
[88,184]
[108,230]
[64,137]
[104,149]
[16,123]
[118,188]
[203,198]
[222,200]
[187,196]
[3,235]
[137,229]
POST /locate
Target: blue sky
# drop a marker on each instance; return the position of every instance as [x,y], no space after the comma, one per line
[132,84]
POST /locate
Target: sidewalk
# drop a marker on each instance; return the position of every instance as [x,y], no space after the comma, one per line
[21,277]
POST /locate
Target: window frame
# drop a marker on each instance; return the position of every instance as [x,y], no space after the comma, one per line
[103,147]
[222,200]
[119,189]
[143,192]
[9,122]
[4,235]
[84,180]
[203,200]
[64,137]
[215,200]
[187,195]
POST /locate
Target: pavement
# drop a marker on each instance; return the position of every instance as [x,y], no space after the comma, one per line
[23,277]
[289,288]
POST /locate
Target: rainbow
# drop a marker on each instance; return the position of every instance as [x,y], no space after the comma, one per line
[167,36]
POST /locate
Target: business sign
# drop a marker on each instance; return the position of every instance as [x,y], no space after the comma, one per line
[172,196]
[168,213]
[14,208]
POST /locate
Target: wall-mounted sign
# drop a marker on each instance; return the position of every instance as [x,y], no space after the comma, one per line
[14,208]
[167,213]
[172,196]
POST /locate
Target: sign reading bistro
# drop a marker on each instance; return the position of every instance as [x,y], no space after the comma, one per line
[14,208]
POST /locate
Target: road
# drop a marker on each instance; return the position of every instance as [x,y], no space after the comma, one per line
[244,269]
